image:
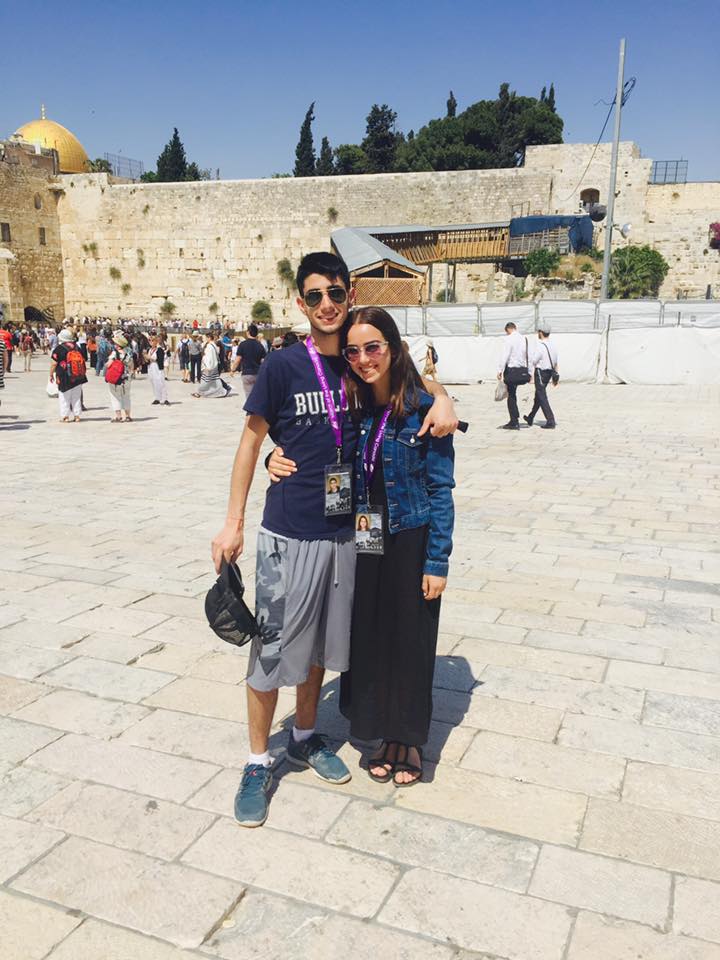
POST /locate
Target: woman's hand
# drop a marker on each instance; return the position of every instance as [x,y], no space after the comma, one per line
[432,586]
[279,466]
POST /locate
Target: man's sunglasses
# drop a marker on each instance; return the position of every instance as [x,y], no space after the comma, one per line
[373,349]
[313,298]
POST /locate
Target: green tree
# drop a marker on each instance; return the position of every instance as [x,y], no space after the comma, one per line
[487,135]
[551,97]
[101,165]
[325,166]
[381,140]
[194,172]
[305,150]
[172,162]
[350,159]
[636,272]
[148,177]
[542,262]
[451,105]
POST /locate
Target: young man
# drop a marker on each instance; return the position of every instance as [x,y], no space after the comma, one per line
[305,566]
[250,354]
[514,369]
[545,360]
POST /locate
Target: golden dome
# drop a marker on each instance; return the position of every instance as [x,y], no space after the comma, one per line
[53,136]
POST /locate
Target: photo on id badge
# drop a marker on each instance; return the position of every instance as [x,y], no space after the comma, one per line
[338,490]
[368,531]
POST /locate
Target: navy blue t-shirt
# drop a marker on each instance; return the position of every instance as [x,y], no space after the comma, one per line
[287,394]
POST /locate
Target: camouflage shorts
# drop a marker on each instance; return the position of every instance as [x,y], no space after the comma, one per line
[303,603]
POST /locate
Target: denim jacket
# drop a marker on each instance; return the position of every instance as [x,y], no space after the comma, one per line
[418,474]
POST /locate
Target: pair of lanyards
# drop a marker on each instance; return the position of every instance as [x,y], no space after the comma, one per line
[334,417]
[370,460]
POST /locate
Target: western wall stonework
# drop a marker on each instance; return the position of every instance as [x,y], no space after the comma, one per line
[31,273]
[219,242]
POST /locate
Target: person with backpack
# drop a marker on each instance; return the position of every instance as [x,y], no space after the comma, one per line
[118,373]
[68,370]
[104,346]
[184,356]
[195,351]
[27,348]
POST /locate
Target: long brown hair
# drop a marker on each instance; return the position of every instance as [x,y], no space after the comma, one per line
[404,379]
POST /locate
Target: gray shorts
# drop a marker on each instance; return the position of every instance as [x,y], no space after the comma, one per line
[303,603]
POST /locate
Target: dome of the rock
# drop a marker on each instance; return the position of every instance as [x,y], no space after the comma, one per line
[53,136]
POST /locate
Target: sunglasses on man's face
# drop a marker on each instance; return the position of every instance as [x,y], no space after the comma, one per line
[373,349]
[313,298]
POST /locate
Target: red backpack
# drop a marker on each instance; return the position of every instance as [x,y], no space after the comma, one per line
[74,364]
[115,372]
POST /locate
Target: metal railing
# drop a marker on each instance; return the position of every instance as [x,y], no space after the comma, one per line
[564,316]
[669,171]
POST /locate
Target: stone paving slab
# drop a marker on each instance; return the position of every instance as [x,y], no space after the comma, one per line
[120,819]
[126,767]
[621,940]
[477,917]
[340,879]
[603,885]
[167,900]
[94,940]
[571,803]
[30,929]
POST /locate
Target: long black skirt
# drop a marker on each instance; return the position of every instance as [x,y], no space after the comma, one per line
[387,692]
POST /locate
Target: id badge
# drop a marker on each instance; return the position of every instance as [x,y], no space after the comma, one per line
[369,530]
[338,489]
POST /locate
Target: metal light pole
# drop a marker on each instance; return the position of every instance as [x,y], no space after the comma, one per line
[613,172]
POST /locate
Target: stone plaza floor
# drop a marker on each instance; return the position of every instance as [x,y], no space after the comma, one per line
[572,809]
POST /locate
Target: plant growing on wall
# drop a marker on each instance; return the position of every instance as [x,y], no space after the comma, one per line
[140,258]
[636,272]
[542,262]
[213,308]
[126,288]
[285,271]
[167,309]
[332,214]
[440,296]
[261,312]
[114,273]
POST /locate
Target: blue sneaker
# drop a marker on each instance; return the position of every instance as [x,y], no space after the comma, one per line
[251,802]
[315,754]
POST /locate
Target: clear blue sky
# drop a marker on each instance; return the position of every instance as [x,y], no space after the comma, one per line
[236,77]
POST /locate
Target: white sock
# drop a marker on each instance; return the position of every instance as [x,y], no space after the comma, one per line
[262,759]
[300,735]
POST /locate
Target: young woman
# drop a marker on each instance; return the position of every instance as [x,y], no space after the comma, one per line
[155,360]
[387,692]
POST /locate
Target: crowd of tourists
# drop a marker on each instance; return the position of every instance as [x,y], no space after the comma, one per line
[126,353]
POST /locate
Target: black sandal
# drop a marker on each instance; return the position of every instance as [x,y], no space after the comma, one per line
[381,761]
[402,766]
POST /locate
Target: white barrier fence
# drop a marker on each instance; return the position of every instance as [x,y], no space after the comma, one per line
[616,341]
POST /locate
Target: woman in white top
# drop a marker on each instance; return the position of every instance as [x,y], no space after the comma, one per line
[155,359]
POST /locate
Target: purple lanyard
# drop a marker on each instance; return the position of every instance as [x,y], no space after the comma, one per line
[333,416]
[370,462]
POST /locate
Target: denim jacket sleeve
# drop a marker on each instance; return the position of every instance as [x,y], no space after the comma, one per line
[440,482]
